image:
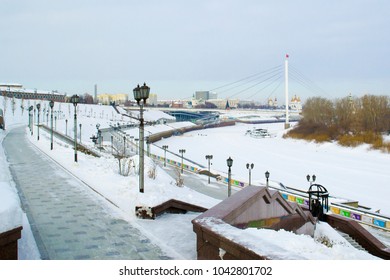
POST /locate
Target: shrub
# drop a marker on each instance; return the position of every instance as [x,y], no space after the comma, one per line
[312,132]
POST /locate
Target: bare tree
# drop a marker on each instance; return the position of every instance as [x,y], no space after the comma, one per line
[152,172]
[5,102]
[13,105]
[318,111]
[22,105]
[124,163]
[179,178]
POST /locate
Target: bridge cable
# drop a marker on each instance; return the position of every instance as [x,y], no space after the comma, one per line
[262,81]
[248,77]
[272,82]
[306,82]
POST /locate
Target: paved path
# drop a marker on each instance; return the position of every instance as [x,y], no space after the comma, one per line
[68,220]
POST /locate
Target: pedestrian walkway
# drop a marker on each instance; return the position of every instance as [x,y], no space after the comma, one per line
[68,220]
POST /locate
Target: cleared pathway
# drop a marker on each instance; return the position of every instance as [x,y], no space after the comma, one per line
[68,220]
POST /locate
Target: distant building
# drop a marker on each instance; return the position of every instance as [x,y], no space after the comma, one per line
[152,99]
[177,104]
[194,103]
[17,91]
[221,103]
[11,85]
[295,103]
[273,102]
[205,95]
[106,98]
[213,95]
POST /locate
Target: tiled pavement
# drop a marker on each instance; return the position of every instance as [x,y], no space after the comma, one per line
[68,220]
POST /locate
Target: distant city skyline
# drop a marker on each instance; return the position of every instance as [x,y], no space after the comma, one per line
[180,47]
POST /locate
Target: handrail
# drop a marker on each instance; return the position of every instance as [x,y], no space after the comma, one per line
[360,235]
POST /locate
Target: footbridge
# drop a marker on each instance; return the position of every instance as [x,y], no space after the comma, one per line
[184,115]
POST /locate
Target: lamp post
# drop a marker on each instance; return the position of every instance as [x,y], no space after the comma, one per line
[30,122]
[250,167]
[229,162]
[75,100]
[38,109]
[267,178]
[209,158]
[98,135]
[312,179]
[66,127]
[124,145]
[141,94]
[182,151]
[112,144]
[165,147]
[51,123]
[33,120]
[80,132]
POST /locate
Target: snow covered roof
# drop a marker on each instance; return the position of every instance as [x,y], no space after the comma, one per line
[24,90]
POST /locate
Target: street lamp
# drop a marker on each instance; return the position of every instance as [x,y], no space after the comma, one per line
[75,100]
[141,94]
[182,151]
[209,157]
[165,147]
[250,167]
[267,178]
[229,162]
[112,144]
[33,118]
[80,132]
[66,127]
[312,179]
[38,109]
[124,145]
[98,135]
[51,103]
[30,118]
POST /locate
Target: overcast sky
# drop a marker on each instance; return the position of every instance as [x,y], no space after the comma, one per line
[179,47]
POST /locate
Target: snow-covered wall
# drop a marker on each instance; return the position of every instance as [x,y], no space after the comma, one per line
[10,211]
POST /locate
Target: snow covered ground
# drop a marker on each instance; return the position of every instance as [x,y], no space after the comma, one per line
[339,169]
[354,173]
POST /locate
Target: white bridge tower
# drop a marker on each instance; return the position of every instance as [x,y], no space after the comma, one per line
[287,123]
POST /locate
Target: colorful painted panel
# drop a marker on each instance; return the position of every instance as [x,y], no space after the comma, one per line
[388,225]
[291,198]
[356,216]
[345,213]
[335,210]
[367,219]
[285,196]
[299,200]
[379,223]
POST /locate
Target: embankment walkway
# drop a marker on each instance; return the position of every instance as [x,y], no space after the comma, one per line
[68,220]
